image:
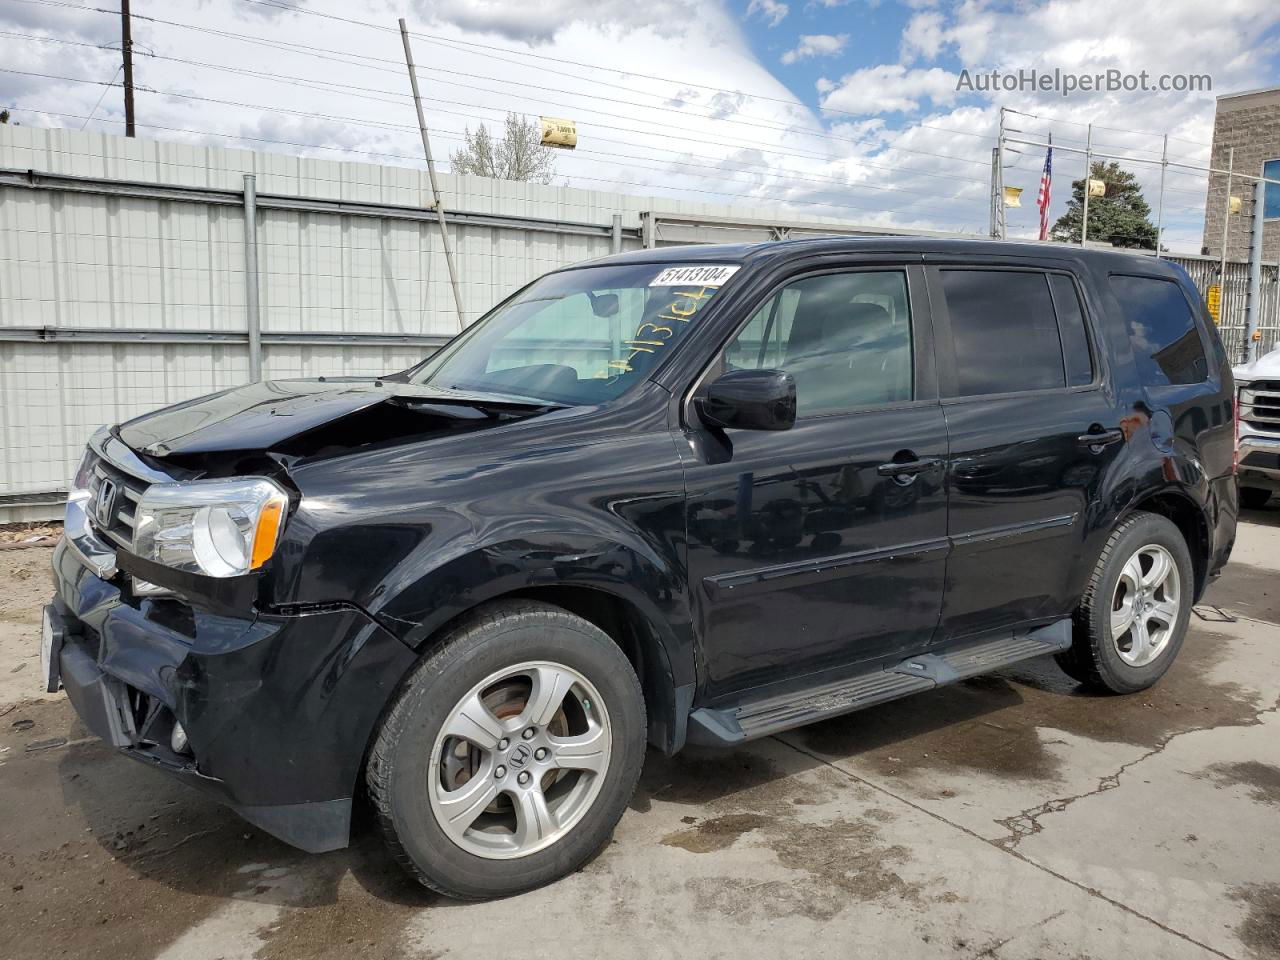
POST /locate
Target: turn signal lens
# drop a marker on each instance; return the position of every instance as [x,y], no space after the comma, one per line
[268,532]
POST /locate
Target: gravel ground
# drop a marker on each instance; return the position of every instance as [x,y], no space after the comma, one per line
[25,587]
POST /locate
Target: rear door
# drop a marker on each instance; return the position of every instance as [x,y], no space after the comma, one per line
[823,545]
[1033,425]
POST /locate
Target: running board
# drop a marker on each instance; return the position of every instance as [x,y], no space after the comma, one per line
[760,718]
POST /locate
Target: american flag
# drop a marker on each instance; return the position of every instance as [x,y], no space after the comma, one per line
[1042,198]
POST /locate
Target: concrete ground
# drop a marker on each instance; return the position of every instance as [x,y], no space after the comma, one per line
[1011,816]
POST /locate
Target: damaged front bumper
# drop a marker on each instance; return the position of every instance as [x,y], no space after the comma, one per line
[277,710]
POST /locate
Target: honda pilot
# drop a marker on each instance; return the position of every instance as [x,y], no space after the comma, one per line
[692,495]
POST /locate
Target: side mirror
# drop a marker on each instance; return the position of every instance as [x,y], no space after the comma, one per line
[750,400]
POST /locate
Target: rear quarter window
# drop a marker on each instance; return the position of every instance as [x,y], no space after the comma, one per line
[1166,341]
[1004,331]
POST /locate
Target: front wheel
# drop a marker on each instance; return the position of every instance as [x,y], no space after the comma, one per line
[510,754]
[1133,617]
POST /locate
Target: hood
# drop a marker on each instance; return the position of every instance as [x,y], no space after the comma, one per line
[1266,367]
[307,416]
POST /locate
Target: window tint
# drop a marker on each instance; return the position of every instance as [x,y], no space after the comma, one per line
[1004,330]
[1166,342]
[1071,327]
[845,337]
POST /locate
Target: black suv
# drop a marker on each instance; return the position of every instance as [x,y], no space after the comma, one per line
[693,495]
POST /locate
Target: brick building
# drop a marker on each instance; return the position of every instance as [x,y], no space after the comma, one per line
[1250,122]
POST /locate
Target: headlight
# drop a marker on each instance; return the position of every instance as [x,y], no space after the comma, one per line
[80,482]
[218,528]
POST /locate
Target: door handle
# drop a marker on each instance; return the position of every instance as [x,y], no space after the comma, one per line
[1101,439]
[906,468]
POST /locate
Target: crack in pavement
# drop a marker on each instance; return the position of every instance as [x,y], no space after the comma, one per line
[991,949]
[1027,823]
[1093,892]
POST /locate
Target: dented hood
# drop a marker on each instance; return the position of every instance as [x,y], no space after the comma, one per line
[263,415]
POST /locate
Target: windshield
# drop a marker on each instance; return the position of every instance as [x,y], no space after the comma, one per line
[580,336]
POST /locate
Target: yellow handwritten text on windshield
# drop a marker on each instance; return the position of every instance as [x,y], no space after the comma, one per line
[652,335]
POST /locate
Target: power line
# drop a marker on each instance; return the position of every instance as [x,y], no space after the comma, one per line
[333,54]
[457,136]
[822,204]
[1096,126]
[590,66]
[110,83]
[719,167]
[346,89]
[449,41]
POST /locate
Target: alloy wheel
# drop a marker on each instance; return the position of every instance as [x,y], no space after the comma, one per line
[520,760]
[1145,606]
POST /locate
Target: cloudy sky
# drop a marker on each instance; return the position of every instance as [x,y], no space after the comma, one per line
[843,108]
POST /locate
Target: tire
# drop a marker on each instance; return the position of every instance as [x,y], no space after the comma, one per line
[1105,655]
[461,813]
[1254,498]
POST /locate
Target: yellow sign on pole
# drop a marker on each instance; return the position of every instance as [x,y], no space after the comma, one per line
[1213,300]
[1013,196]
[559,133]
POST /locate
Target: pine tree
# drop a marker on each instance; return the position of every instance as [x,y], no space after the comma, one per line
[519,155]
[1121,218]
[4,116]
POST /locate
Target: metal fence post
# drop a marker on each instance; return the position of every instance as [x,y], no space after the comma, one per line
[253,313]
[617,233]
[1253,306]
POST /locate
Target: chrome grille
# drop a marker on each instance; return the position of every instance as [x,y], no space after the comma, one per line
[119,493]
[1260,403]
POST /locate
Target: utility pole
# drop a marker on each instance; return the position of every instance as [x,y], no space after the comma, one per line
[126,48]
[997,186]
[995,192]
[1164,167]
[1088,172]
[431,173]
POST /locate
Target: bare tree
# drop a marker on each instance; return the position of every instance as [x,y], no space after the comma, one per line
[519,155]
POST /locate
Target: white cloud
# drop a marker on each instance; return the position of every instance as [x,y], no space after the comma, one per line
[540,21]
[923,36]
[888,88]
[771,10]
[816,45]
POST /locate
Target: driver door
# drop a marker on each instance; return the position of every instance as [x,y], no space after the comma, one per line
[822,546]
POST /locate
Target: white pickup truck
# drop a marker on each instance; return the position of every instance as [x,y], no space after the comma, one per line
[1258,384]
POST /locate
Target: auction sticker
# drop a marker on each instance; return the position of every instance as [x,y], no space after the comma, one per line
[701,274]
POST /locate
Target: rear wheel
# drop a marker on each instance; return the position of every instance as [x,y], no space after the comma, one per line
[1254,498]
[1133,617]
[510,754]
